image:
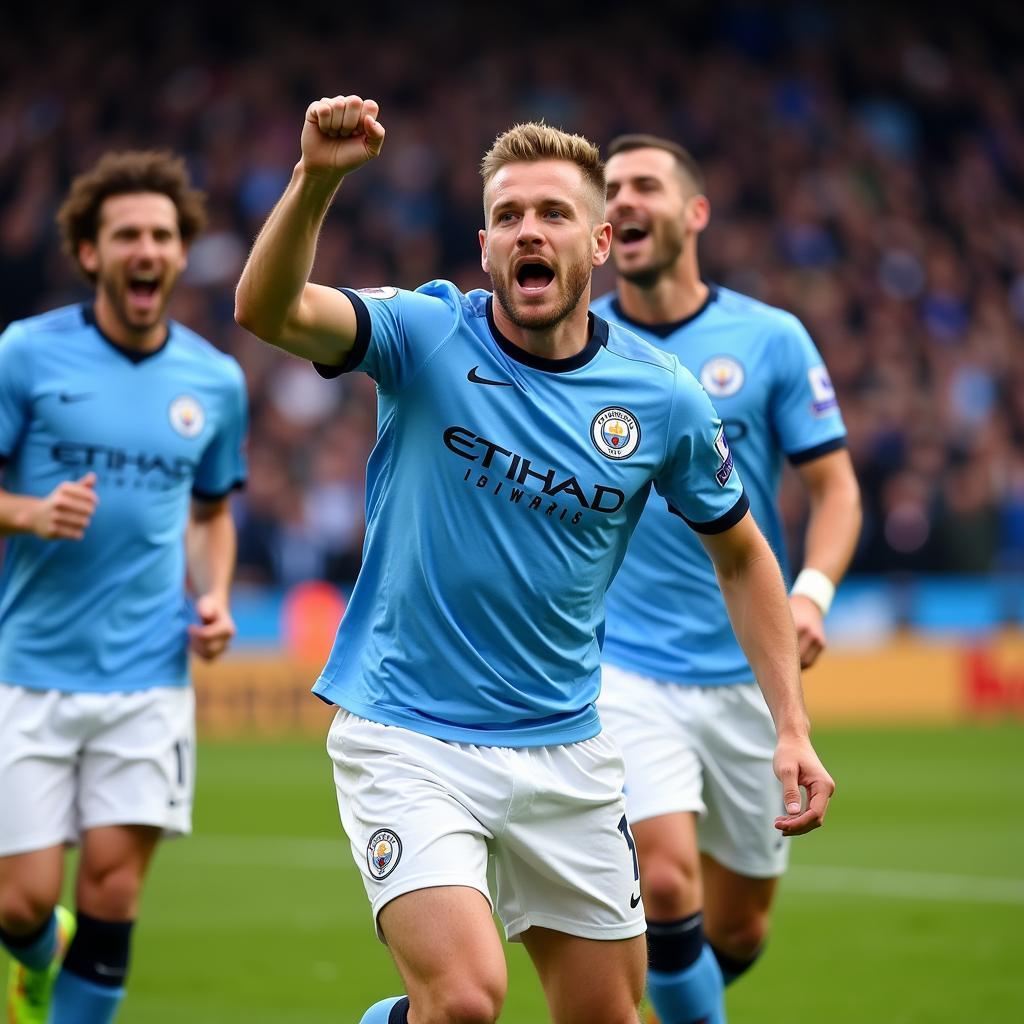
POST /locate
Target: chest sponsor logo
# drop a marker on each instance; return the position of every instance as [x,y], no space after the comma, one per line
[615,432]
[120,467]
[823,395]
[722,376]
[724,452]
[187,416]
[507,474]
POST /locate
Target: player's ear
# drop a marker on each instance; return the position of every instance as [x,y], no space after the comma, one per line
[482,235]
[88,257]
[600,244]
[698,213]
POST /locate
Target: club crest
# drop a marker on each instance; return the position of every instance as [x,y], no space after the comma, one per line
[383,853]
[187,416]
[615,432]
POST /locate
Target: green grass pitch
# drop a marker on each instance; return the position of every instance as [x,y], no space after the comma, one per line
[907,908]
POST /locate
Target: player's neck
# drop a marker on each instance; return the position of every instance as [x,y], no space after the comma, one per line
[674,296]
[148,339]
[563,341]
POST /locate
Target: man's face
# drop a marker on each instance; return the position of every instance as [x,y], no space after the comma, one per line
[137,257]
[653,207]
[543,238]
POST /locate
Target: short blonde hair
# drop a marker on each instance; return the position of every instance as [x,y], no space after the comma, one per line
[534,141]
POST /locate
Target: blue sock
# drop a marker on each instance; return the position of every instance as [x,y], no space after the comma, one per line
[90,986]
[77,1001]
[36,949]
[388,1011]
[684,981]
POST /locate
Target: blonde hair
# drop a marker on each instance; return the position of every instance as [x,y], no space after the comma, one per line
[534,141]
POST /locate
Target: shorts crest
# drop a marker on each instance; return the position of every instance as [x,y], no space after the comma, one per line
[383,852]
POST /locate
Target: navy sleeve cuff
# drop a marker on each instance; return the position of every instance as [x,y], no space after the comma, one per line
[810,454]
[362,342]
[723,522]
[201,495]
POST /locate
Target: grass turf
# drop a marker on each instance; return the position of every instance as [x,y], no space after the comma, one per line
[906,908]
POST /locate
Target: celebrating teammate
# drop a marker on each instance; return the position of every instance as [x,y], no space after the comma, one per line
[121,435]
[518,440]
[678,693]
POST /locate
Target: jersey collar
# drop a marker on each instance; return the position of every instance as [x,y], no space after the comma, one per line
[131,354]
[598,338]
[665,330]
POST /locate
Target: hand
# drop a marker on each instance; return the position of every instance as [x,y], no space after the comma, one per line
[66,511]
[796,764]
[211,639]
[810,628]
[340,135]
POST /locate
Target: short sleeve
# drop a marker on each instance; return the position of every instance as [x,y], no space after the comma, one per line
[397,331]
[15,389]
[804,409]
[222,467]
[699,479]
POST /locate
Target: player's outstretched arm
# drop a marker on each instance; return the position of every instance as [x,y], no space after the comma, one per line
[833,527]
[64,514]
[274,299]
[755,596]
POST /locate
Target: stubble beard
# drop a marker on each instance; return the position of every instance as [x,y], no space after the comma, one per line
[577,279]
[647,277]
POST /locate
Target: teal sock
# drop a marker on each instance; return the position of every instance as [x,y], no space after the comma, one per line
[691,995]
[388,1011]
[78,1001]
[35,950]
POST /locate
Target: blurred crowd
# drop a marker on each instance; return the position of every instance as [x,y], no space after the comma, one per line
[865,169]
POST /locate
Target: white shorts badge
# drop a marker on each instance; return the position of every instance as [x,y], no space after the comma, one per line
[615,432]
[383,852]
[722,376]
[385,292]
[187,416]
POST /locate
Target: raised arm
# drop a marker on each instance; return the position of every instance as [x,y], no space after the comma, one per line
[755,596]
[274,299]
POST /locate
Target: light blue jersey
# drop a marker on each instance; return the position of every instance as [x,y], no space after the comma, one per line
[666,616]
[108,613]
[501,495]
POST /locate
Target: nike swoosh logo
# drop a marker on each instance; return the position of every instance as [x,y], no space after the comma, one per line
[67,396]
[474,379]
[109,972]
[634,901]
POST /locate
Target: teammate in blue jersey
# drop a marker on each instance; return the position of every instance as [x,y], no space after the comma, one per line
[518,438]
[121,434]
[678,692]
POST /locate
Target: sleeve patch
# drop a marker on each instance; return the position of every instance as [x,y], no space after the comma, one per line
[724,471]
[822,393]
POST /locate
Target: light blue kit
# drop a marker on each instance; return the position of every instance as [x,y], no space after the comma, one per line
[501,495]
[108,613]
[666,616]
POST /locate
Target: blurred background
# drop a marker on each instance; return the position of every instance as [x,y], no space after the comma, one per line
[866,171]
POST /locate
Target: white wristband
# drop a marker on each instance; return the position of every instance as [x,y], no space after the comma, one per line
[815,585]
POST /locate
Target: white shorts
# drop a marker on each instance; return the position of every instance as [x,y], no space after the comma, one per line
[421,812]
[70,762]
[703,749]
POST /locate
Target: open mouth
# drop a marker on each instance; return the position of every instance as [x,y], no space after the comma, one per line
[533,277]
[629,233]
[143,288]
